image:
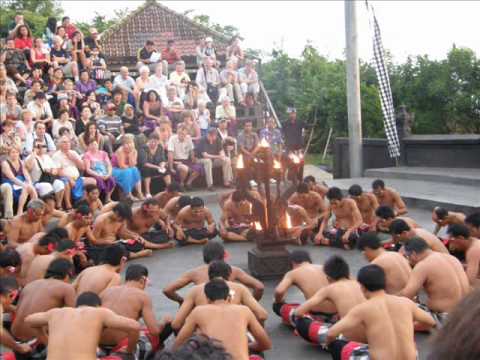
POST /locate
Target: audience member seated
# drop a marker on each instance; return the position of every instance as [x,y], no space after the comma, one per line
[159,82]
[40,56]
[249,79]
[230,85]
[152,111]
[9,139]
[208,79]
[226,110]
[125,171]
[15,62]
[23,38]
[99,167]
[92,42]
[180,78]
[148,56]
[40,107]
[171,55]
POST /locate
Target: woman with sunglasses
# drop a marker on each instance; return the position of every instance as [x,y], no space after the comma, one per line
[44,172]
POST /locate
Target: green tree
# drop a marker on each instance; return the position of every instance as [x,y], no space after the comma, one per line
[35,12]
[101,23]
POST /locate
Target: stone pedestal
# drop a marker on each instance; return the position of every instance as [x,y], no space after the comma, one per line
[268,263]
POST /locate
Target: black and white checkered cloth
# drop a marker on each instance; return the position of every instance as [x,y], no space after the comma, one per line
[384,90]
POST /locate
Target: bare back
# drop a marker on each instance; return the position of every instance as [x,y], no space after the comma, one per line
[96,279]
[39,296]
[388,322]
[433,242]
[39,267]
[345,294]
[445,281]
[397,270]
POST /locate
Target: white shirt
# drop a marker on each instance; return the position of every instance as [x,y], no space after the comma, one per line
[69,167]
[181,149]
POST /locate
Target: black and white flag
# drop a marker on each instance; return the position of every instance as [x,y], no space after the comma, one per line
[384,90]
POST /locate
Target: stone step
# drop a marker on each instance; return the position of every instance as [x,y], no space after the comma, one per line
[424,194]
[459,176]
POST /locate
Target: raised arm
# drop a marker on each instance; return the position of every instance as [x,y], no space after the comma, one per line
[170,290]
[250,282]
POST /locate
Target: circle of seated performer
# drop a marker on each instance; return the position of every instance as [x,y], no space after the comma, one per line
[54,291]
[344,232]
[74,333]
[308,278]
[239,294]
[294,222]
[130,300]
[441,276]
[402,233]
[22,227]
[389,197]
[213,251]
[386,320]
[459,236]
[396,267]
[456,340]
[191,221]
[442,217]
[227,322]
[320,189]
[311,201]
[367,203]
[344,293]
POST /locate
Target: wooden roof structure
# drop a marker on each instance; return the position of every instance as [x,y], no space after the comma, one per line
[156,22]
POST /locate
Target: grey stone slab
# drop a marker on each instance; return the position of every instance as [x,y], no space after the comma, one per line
[460,176]
[167,265]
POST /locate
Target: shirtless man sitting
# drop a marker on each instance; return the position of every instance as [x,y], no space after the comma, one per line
[213,251]
[320,189]
[389,197]
[294,222]
[311,201]
[396,267]
[22,227]
[239,294]
[132,301]
[367,203]
[29,250]
[402,233]
[225,322]
[112,225]
[341,292]
[80,232]
[98,278]
[440,275]
[191,224]
[64,249]
[146,216]
[8,293]
[387,321]
[171,191]
[473,223]
[385,216]
[348,219]
[460,236]
[92,198]
[174,205]
[309,278]
[42,295]
[236,219]
[74,333]
[442,217]
[51,216]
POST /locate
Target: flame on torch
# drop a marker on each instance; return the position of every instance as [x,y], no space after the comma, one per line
[295,159]
[288,221]
[240,164]
[258,226]
[264,143]
[277,165]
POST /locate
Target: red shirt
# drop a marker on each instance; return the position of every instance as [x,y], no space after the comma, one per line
[70,29]
[23,43]
[170,55]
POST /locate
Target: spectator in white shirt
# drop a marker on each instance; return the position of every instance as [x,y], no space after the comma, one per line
[230,85]
[180,78]
[124,81]
[40,108]
[39,132]
[249,79]
[159,83]
[208,79]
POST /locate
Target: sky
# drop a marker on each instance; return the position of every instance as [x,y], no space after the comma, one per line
[408,27]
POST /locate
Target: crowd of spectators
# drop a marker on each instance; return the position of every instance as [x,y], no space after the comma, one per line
[68,121]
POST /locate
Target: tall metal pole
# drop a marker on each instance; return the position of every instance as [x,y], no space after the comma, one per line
[353,90]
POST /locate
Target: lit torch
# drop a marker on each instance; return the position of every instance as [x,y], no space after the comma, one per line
[264,143]
[240,164]
[295,159]
[258,226]
[288,221]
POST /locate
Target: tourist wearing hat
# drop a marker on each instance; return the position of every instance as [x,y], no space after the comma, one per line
[40,108]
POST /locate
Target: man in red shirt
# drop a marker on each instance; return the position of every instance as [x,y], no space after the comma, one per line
[171,55]
[69,27]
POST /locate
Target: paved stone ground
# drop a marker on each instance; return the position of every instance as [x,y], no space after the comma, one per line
[166,266]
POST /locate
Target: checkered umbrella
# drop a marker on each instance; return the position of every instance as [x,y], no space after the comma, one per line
[385,90]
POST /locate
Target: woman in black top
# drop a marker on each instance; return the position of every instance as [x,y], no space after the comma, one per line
[152,160]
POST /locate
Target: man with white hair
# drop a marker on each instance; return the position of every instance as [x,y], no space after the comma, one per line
[180,78]
[229,82]
[62,59]
[249,79]
[208,79]
[124,81]
[159,82]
